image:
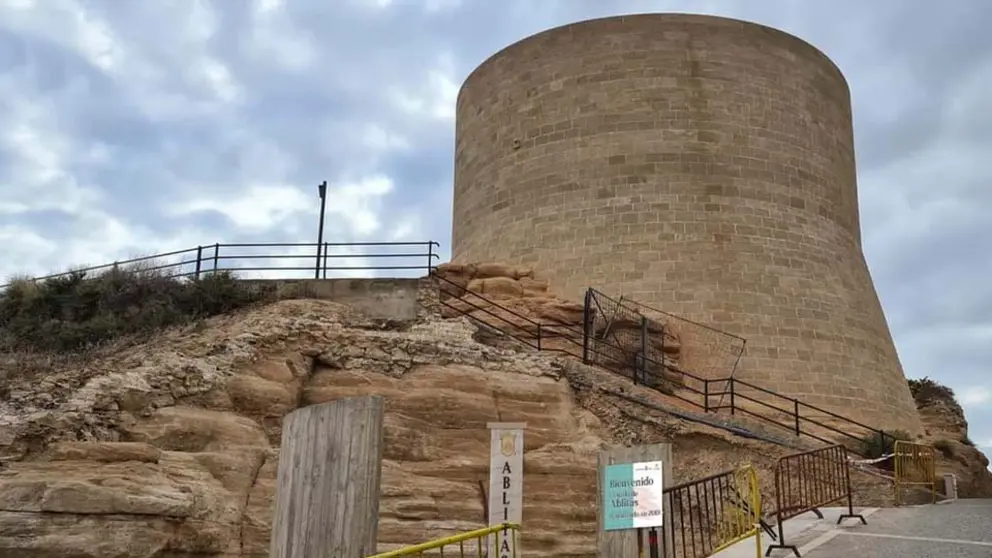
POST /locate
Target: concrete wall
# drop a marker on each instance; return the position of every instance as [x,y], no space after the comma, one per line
[396,299]
[701,165]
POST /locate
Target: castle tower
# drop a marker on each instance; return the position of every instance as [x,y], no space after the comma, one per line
[700,165]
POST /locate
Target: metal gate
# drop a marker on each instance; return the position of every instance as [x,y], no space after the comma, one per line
[618,337]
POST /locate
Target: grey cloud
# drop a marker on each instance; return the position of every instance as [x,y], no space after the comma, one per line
[919,75]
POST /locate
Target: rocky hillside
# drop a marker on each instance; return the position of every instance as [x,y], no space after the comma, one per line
[169,449]
[947,430]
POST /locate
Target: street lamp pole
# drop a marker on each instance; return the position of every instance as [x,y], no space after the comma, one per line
[322,192]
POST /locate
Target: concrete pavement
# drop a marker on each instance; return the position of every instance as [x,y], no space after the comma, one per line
[962,528]
[957,529]
[798,531]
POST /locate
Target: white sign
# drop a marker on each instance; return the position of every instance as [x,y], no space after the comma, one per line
[506,482]
[649,494]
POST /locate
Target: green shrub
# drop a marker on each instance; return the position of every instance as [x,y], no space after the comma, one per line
[944,447]
[927,391]
[77,311]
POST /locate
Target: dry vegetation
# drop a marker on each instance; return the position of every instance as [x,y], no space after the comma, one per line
[58,321]
[927,391]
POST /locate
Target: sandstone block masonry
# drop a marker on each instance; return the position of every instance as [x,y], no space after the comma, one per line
[697,164]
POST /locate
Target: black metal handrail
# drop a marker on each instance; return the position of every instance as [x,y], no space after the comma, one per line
[194,262]
[581,344]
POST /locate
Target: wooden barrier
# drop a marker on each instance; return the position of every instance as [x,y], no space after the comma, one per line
[327,492]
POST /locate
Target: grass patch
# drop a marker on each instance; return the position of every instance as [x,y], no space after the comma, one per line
[53,322]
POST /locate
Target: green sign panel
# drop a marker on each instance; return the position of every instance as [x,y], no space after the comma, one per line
[632,495]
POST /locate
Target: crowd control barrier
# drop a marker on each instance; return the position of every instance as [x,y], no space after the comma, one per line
[805,482]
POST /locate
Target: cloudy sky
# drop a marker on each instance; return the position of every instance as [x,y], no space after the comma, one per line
[131,128]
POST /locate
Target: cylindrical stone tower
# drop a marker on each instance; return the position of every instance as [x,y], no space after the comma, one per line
[700,165]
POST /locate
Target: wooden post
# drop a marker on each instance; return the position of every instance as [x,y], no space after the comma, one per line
[327,491]
[624,543]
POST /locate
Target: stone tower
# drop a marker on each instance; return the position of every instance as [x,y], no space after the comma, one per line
[700,165]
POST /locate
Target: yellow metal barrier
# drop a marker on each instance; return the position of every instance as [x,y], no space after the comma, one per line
[741,520]
[915,465]
[503,536]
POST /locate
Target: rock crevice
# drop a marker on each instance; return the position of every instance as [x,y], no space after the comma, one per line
[170,449]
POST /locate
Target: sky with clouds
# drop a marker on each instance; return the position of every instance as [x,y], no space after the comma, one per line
[133,128]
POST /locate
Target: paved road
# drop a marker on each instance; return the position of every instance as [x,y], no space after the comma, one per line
[959,529]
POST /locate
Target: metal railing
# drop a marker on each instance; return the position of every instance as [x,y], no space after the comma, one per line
[498,540]
[789,413]
[914,465]
[713,513]
[670,340]
[807,481]
[593,342]
[279,260]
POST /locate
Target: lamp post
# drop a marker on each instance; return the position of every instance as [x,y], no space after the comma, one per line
[322,192]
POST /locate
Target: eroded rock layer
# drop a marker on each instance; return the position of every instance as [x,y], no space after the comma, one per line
[170,449]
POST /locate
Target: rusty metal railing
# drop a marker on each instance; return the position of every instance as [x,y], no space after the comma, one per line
[713,513]
[805,482]
[915,465]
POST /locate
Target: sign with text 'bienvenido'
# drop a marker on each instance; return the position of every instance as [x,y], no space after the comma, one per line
[632,495]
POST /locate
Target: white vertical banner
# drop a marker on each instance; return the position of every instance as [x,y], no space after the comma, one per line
[506,483]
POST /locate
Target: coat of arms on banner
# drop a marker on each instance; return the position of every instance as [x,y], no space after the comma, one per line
[508,444]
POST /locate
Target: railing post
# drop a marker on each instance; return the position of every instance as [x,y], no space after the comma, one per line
[199,258]
[663,350]
[706,396]
[796,411]
[644,336]
[644,349]
[216,255]
[733,405]
[586,318]
[322,194]
[778,506]
[847,482]
[538,336]
[324,267]
[430,256]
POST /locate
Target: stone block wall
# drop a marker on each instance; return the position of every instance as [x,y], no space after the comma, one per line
[701,165]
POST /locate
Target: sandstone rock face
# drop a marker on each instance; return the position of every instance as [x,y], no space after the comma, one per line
[170,449]
[947,429]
